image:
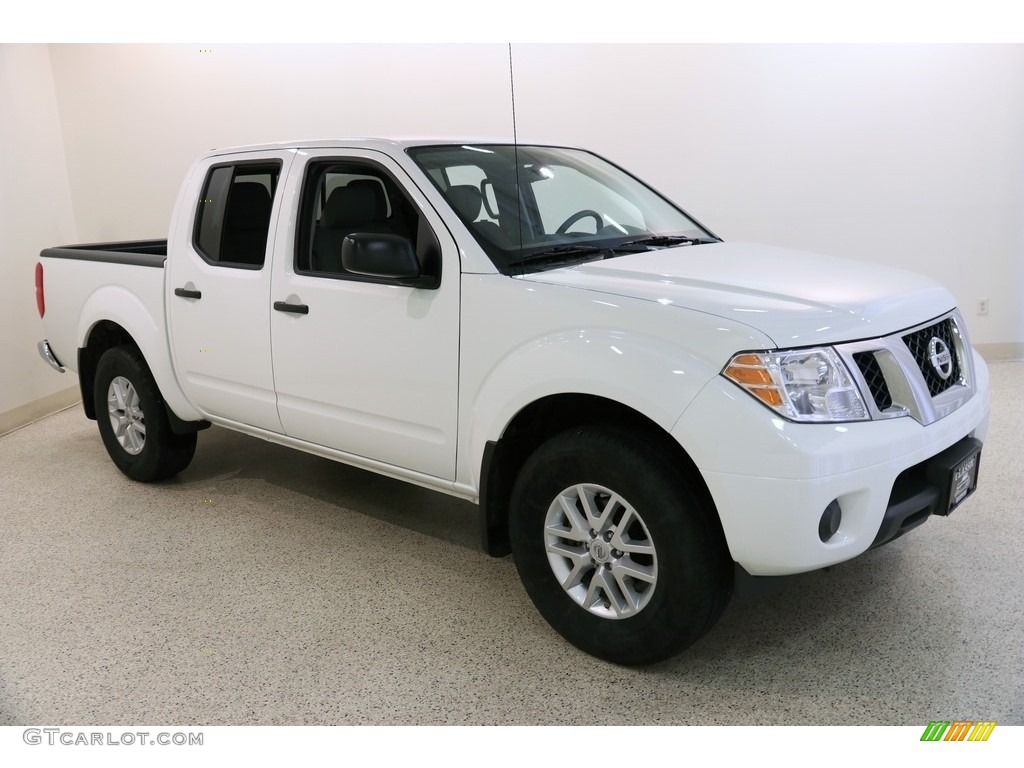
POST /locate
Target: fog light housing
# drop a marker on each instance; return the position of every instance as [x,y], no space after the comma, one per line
[830,520]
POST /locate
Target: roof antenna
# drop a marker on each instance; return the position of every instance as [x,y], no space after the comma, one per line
[515,150]
[512,84]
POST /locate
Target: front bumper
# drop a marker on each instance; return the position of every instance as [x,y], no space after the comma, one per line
[771,480]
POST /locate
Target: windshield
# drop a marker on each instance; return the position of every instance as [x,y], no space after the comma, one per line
[537,207]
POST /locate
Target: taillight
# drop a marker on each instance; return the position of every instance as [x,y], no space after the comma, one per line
[40,299]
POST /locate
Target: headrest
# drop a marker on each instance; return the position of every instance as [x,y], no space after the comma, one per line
[248,206]
[466,200]
[358,202]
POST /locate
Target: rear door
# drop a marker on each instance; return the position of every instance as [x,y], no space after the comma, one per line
[219,288]
[366,365]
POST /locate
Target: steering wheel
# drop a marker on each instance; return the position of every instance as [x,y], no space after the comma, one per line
[585,213]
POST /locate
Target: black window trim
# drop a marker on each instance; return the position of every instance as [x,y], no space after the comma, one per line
[266,162]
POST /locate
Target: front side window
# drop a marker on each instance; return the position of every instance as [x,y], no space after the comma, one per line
[348,197]
[536,207]
[233,218]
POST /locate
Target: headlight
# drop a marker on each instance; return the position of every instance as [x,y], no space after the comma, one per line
[802,385]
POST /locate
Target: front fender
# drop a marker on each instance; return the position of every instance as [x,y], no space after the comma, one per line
[523,341]
[648,376]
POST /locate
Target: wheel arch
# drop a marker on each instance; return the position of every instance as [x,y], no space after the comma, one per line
[123,312]
[102,336]
[105,335]
[541,420]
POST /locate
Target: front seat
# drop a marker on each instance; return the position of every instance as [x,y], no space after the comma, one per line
[468,201]
[359,206]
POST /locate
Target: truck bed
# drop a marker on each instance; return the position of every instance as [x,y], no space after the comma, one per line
[110,283]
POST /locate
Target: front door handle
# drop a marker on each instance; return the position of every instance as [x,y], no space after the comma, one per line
[187,293]
[298,309]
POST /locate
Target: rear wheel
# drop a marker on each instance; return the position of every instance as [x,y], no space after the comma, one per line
[133,420]
[616,548]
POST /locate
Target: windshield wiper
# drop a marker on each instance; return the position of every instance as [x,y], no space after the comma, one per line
[568,252]
[666,241]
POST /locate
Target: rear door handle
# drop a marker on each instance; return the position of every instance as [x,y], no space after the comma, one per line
[187,293]
[298,309]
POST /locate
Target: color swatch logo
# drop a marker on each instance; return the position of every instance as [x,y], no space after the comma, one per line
[958,730]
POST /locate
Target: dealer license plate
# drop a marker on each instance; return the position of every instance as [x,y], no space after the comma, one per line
[963,480]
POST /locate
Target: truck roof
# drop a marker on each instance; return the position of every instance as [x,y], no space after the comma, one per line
[378,143]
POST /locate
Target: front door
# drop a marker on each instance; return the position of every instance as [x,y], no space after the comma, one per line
[366,365]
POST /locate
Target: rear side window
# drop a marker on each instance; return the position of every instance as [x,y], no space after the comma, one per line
[233,217]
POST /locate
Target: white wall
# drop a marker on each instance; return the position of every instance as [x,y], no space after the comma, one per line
[907,155]
[35,212]
[136,116]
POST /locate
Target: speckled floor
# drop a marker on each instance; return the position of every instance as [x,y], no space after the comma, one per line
[264,586]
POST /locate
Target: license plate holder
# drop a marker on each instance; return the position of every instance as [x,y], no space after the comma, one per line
[955,473]
[963,480]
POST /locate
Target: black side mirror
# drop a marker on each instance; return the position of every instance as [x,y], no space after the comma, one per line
[386,257]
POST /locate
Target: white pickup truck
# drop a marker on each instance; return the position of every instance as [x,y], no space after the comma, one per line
[646,415]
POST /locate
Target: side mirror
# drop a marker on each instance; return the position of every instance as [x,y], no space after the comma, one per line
[386,257]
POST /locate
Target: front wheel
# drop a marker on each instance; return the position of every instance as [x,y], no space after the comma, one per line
[615,547]
[133,421]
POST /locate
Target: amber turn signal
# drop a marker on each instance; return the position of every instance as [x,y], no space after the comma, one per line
[741,374]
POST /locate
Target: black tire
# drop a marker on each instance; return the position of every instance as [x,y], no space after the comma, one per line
[686,551]
[155,453]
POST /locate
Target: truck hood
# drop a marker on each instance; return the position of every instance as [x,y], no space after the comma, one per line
[794,297]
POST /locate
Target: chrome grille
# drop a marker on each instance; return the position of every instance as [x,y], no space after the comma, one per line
[897,377]
[918,343]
